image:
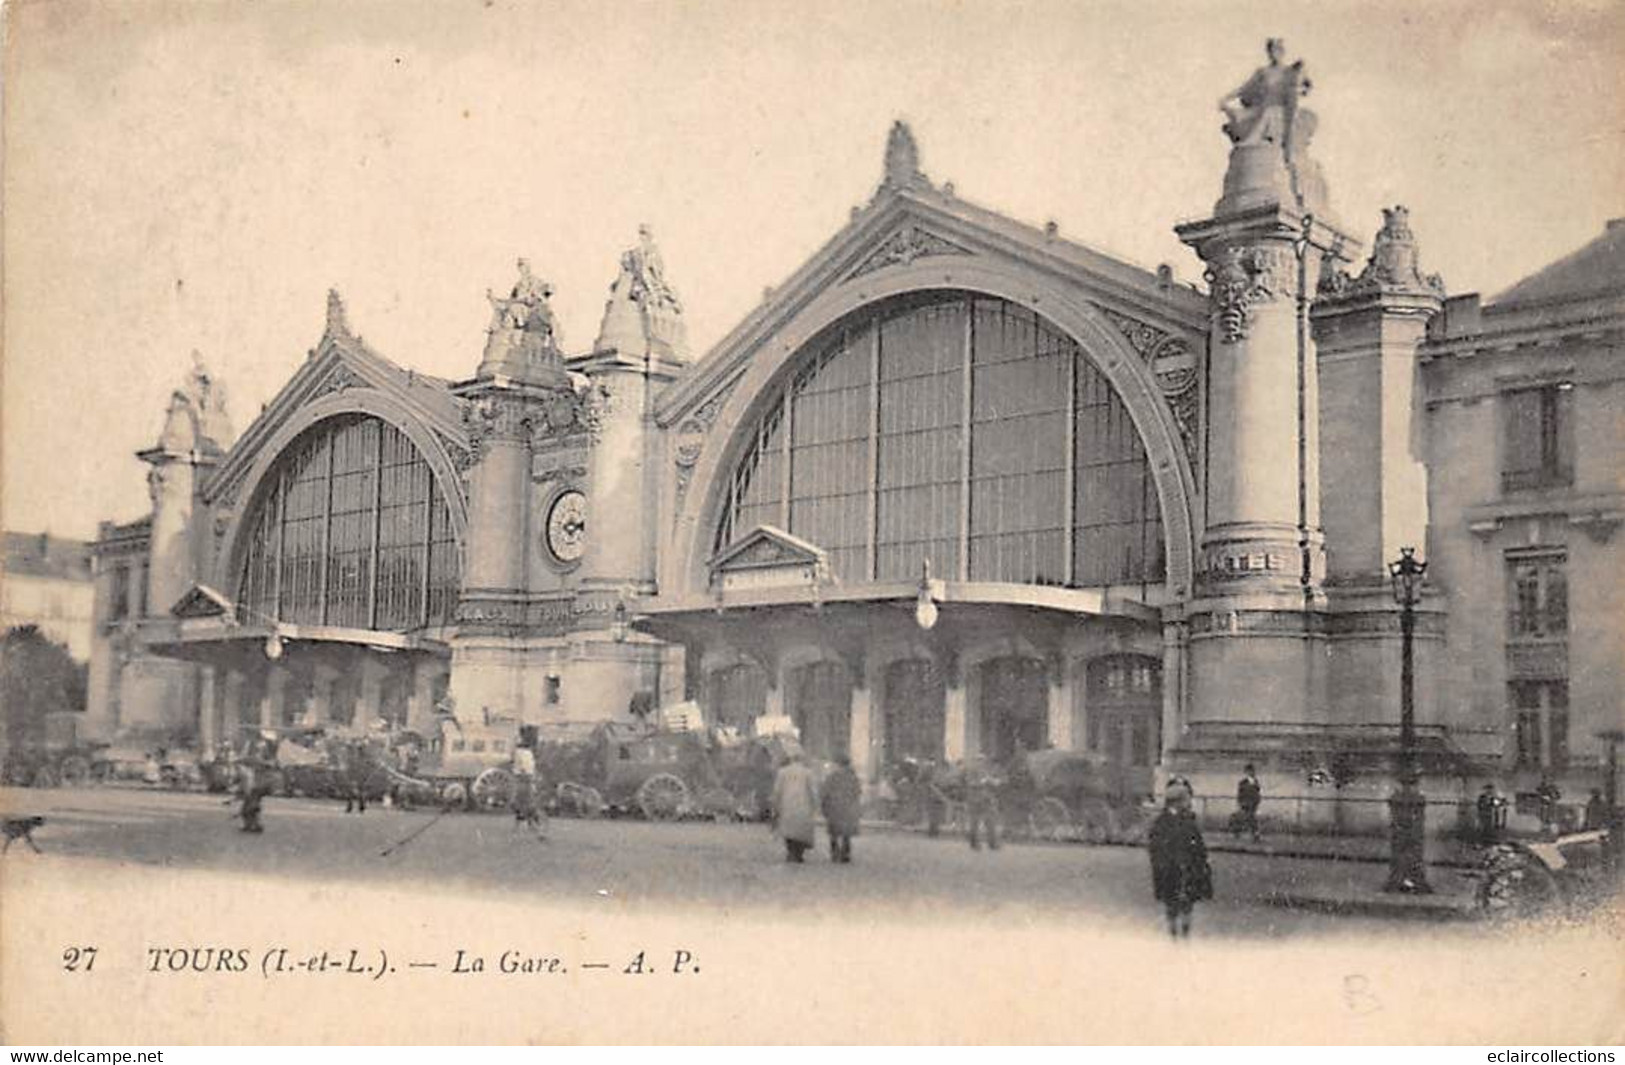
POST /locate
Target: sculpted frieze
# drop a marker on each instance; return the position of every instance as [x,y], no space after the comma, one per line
[905,246]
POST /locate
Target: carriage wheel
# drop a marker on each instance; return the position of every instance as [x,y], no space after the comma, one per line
[45,777]
[453,794]
[493,789]
[1051,819]
[662,797]
[1095,822]
[74,771]
[719,804]
[578,800]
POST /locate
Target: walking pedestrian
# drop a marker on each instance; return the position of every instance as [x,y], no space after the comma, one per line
[1596,811]
[982,804]
[1249,796]
[1548,794]
[1489,814]
[355,773]
[795,807]
[843,798]
[1180,874]
[527,805]
[253,784]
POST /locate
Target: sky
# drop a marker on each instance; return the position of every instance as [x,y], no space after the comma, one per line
[195,176]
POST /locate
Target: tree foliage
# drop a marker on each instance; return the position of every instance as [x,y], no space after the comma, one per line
[37,677]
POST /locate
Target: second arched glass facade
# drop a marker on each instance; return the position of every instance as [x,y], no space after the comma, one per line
[957,428]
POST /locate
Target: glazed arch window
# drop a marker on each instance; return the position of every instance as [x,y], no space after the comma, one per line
[957,429]
[350,529]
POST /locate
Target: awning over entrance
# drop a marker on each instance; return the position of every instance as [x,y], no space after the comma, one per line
[989,669]
[858,615]
[203,639]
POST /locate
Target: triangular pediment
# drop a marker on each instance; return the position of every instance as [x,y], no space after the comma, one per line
[340,363]
[202,601]
[768,548]
[899,229]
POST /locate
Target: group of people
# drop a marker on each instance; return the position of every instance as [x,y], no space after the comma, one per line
[798,798]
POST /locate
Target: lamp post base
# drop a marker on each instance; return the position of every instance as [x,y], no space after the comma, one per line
[1407,866]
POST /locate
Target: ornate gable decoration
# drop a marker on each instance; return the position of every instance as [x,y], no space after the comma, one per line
[1175,367]
[202,601]
[903,247]
[691,435]
[767,557]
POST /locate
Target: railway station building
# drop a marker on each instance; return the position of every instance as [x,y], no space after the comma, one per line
[960,486]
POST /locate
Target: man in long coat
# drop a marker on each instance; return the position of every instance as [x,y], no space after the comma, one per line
[795,807]
[843,800]
[1180,874]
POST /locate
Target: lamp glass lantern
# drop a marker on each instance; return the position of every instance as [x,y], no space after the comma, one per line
[925,605]
[1406,573]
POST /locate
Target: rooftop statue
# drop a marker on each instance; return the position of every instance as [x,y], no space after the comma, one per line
[1263,109]
[523,338]
[1265,117]
[647,273]
[525,309]
[643,314]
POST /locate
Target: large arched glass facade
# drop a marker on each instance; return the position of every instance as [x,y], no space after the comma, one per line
[350,530]
[957,428]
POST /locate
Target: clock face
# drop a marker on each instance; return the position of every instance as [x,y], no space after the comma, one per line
[567,526]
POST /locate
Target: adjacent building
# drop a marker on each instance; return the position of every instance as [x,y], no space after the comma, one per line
[959,487]
[46,582]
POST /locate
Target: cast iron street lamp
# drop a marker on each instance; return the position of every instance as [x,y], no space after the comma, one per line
[1407,807]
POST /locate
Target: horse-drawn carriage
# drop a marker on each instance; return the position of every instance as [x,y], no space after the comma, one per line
[661,773]
[1048,794]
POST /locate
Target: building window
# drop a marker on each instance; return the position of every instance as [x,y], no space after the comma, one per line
[1538,599]
[1542,722]
[1123,709]
[1537,439]
[119,606]
[1537,657]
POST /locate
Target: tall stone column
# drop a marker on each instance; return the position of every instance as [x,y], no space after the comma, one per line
[861,736]
[208,711]
[1256,621]
[370,705]
[955,722]
[233,716]
[1059,725]
[273,710]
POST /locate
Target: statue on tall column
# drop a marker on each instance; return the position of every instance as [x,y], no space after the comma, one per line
[1262,110]
[1266,111]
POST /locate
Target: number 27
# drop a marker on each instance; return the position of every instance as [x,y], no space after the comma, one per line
[76,958]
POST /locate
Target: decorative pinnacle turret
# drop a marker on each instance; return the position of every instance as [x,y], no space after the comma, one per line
[1394,265]
[902,159]
[337,323]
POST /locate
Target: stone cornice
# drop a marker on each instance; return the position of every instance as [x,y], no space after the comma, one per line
[1589,330]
